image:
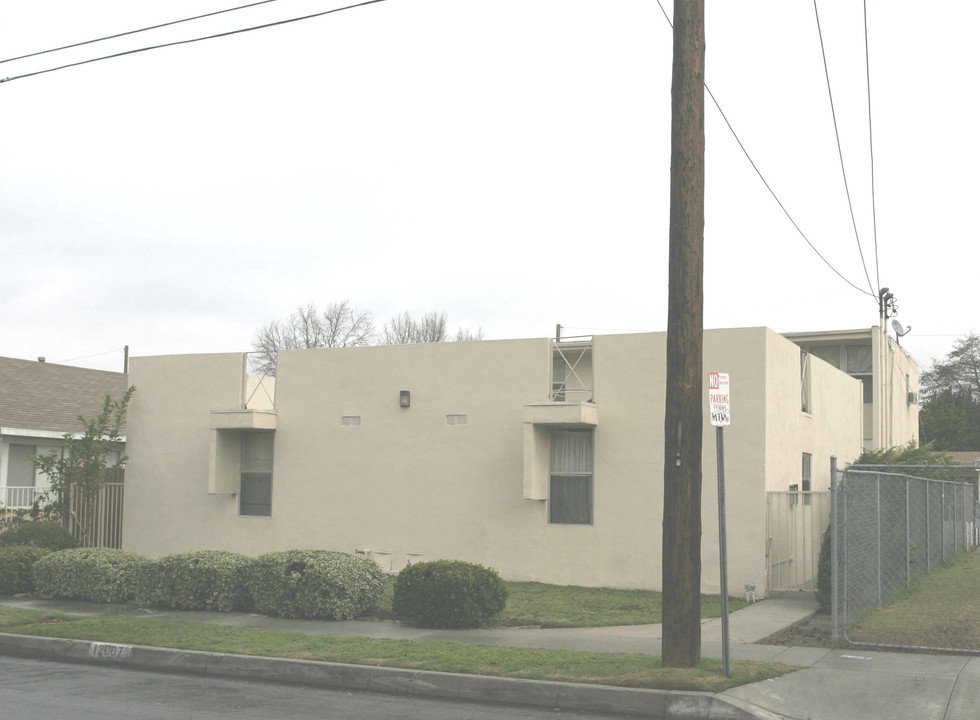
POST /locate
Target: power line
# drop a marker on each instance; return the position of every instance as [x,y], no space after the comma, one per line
[871,144]
[778,201]
[133,32]
[767,185]
[86,357]
[840,152]
[192,40]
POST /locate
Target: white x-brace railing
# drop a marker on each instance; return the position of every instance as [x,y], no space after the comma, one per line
[571,351]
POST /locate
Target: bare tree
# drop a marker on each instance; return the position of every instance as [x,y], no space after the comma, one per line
[463,335]
[401,330]
[431,327]
[337,326]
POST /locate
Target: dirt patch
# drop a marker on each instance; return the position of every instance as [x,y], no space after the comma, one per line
[813,631]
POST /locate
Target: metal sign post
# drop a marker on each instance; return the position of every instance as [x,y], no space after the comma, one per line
[719,405]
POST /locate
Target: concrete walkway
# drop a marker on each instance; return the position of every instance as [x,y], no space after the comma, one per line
[831,684]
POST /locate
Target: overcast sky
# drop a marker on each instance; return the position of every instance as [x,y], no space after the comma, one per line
[506,162]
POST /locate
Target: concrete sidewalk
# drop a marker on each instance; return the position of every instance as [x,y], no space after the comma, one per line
[831,684]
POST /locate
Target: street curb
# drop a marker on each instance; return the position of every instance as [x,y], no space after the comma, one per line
[581,697]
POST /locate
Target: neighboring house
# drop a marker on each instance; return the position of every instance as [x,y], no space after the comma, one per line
[964,457]
[39,403]
[968,465]
[542,459]
[889,378]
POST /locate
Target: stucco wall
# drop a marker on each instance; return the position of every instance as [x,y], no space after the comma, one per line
[167,507]
[901,416]
[405,482]
[833,426]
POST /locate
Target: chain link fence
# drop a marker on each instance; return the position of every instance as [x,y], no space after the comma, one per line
[889,525]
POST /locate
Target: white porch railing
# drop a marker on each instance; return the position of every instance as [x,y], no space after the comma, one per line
[571,372]
[95,522]
[17,498]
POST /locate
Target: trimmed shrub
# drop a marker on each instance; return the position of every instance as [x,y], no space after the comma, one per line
[39,534]
[101,575]
[315,584]
[448,594]
[16,563]
[202,580]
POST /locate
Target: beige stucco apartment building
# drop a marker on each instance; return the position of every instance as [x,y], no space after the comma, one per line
[543,460]
[889,380]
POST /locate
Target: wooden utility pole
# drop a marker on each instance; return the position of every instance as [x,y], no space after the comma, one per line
[683,420]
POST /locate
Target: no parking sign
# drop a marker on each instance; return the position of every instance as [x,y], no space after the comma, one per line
[719,400]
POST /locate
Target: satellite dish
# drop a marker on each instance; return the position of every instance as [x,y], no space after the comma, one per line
[897,327]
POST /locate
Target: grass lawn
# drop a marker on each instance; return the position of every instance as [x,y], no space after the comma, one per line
[554,606]
[567,606]
[528,604]
[622,669]
[939,610]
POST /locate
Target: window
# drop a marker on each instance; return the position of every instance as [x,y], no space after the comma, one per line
[805,381]
[827,353]
[859,366]
[570,488]
[806,477]
[859,359]
[255,498]
[20,465]
[350,420]
[455,419]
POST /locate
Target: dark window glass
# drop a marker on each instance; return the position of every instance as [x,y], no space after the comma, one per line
[570,499]
[256,495]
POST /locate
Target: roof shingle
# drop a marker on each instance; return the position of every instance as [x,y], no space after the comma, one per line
[46,396]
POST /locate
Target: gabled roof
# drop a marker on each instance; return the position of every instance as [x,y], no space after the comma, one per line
[45,396]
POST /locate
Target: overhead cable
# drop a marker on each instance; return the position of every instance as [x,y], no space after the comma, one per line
[768,186]
[133,32]
[871,144]
[840,152]
[192,40]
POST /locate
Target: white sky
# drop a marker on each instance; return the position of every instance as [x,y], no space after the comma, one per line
[506,162]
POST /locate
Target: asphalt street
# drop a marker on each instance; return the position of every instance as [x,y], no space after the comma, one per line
[44,690]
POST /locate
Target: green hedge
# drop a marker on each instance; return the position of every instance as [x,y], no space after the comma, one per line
[315,584]
[202,580]
[99,575]
[448,593]
[39,534]
[16,564]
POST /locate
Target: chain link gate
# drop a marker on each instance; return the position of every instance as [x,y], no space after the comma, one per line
[888,526]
